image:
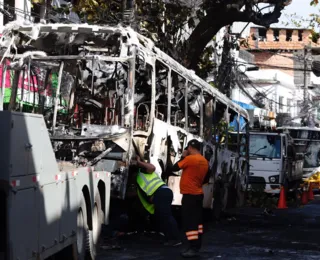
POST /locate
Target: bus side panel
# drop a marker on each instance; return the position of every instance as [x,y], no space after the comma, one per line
[174,185]
[23,223]
[207,195]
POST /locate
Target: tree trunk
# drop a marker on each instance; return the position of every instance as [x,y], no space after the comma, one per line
[225,69]
[220,15]
[41,11]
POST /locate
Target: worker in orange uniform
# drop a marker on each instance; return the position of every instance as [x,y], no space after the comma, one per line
[194,170]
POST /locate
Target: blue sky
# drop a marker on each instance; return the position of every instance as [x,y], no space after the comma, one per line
[301,8]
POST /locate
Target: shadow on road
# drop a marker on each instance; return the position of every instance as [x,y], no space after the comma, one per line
[249,234]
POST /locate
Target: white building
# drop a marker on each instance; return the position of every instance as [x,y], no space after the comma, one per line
[22,11]
[273,88]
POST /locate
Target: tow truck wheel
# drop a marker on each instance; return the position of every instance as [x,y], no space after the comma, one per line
[82,231]
[94,234]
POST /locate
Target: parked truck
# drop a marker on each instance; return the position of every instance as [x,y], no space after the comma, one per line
[306,140]
[275,157]
[274,161]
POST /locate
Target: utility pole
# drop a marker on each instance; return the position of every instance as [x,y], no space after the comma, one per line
[129,13]
[305,84]
[308,117]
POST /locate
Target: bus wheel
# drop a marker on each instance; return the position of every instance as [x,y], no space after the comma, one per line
[241,188]
[225,197]
[217,202]
[94,234]
[82,230]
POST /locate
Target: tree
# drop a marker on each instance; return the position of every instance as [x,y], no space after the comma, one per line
[201,20]
[182,28]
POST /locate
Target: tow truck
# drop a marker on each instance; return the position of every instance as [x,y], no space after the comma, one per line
[273,162]
[275,159]
[307,142]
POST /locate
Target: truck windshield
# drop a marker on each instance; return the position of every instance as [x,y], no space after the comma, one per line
[265,146]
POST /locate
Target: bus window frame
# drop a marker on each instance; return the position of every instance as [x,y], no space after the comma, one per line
[201,115]
[185,97]
[208,114]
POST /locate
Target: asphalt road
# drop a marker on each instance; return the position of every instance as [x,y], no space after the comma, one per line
[249,234]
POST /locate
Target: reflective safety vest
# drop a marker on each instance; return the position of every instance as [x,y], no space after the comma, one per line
[149,183]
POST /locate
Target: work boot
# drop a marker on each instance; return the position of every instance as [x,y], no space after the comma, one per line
[190,253]
[198,244]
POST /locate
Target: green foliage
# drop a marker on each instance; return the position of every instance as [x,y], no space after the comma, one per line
[213,84]
[222,131]
[313,21]
[315,36]
[165,24]
[314,2]
[99,11]
[206,64]
[259,199]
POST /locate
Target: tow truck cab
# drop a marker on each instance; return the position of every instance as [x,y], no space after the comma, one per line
[272,162]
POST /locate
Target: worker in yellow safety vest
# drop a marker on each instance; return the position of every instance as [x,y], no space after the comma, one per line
[156,197]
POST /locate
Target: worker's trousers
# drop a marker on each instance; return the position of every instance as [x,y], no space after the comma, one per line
[162,201]
[192,219]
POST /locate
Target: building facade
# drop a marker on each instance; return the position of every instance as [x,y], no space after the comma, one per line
[279,53]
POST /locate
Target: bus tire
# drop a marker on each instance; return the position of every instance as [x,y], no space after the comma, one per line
[82,230]
[94,234]
[241,189]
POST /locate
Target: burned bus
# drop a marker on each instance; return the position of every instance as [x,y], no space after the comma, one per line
[78,102]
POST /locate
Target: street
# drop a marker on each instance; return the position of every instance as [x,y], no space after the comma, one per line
[248,234]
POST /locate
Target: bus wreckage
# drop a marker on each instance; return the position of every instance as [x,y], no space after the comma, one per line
[77,103]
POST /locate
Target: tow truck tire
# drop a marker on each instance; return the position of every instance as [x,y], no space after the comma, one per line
[93,238]
[82,230]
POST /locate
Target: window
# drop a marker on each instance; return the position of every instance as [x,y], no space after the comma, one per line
[219,123]
[299,105]
[289,105]
[262,34]
[265,146]
[289,35]
[243,144]
[276,35]
[142,96]
[233,131]
[178,87]
[271,105]
[300,35]
[161,91]
[194,109]
[280,104]
[207,116]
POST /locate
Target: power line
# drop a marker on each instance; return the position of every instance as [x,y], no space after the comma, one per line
[282,66]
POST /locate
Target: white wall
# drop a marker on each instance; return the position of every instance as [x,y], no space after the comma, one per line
[23,10]
[273,84]
[1,16]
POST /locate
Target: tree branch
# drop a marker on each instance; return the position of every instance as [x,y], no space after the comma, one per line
[222,13]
